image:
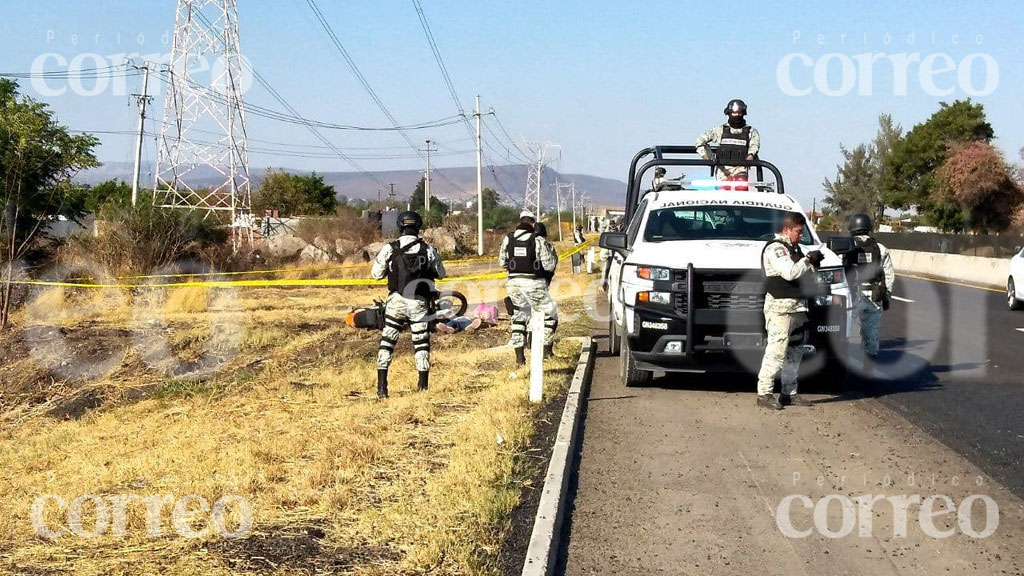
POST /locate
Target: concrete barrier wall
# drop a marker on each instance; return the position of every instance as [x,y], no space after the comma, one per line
[991,272]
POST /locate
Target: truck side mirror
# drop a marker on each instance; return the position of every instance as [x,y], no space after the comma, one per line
[841,244]
[614,241]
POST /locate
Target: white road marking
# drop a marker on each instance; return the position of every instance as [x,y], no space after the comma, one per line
[897,298]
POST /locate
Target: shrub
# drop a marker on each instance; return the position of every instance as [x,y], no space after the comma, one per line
[143,238]
[345,226]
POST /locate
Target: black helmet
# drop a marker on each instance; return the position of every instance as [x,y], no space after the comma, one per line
[659,171]
[540,229]
[409,219]
[860,224]
[735,105]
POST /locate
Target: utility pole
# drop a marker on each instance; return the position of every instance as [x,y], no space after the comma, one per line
[574,208]
[143,99]
[426,181]
[391,195]
[479,185]
[558,209]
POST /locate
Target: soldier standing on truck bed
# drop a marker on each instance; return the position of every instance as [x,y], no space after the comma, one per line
[411,266]
[736,141]
[872,278]
[529,259]
[785,311]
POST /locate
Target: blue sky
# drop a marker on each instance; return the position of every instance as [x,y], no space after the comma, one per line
[602,79]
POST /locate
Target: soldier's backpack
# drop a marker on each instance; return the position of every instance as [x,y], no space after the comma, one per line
[410,269]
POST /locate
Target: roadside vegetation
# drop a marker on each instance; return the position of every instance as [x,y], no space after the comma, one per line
[284,416]
[944,173]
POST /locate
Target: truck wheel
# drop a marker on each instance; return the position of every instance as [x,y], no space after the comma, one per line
[1011,296]
[613,337]
[632,376]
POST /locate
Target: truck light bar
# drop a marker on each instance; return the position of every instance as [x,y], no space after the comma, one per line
[730,185]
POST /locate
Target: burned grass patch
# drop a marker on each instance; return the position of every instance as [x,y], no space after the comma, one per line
[305,549]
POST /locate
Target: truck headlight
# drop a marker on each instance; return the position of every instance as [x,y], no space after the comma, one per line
[651,273]
[664,298]
[830,276]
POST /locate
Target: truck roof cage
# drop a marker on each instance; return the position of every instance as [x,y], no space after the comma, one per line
[684,156]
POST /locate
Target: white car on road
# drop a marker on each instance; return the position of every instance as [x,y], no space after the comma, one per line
[1015,282]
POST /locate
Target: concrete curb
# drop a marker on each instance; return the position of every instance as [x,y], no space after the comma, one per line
[542,555]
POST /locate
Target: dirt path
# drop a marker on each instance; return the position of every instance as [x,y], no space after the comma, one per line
[686,477]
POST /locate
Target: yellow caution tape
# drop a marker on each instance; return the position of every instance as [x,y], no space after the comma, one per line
[276,283]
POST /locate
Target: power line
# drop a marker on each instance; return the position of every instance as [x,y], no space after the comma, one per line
[515,145]
[281,100]
[299,120]
[508,150]
[440,64]
[115,71]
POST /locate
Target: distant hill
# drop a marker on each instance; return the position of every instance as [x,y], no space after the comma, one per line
[454,183]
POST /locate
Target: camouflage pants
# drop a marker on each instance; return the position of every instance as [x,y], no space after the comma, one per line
[780,352]
[529,295]
[399,311]
[870,316]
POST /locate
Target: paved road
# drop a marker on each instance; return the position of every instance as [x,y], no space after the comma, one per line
[953,360]
[685,476]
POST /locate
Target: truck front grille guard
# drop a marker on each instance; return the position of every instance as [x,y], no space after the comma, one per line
[689,309]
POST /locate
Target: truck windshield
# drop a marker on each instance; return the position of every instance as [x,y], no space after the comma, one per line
[716,223]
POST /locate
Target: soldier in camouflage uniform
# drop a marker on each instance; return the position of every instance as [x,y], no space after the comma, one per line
[785,311]
[411,266]
[529,259]
[873,273]
[736,141]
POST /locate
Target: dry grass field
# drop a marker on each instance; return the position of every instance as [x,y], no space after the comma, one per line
[265,394]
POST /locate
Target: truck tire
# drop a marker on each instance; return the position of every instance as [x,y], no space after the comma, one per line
[613,337]
[632,376]
[1011,296]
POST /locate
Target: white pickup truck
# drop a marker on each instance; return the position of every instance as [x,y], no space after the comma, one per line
[685,285]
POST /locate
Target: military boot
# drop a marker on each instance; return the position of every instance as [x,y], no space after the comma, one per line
[549,350]
[768,401]
[382,384]
[520,356]
[422,385]
[794,400]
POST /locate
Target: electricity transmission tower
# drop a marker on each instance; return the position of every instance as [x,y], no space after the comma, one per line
[533,178]
[204,95]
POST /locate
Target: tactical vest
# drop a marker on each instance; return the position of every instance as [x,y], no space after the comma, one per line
[778,286]
[733,147]
[405,269]
[870,275]
[521,256]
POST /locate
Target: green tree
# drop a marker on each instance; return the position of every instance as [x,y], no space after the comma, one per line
[438,209]
[38,158]
[888,136]
[497,215]
[318,198]
[295,195]
[853,189]
[858,182]
[112,193]
[910,178]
